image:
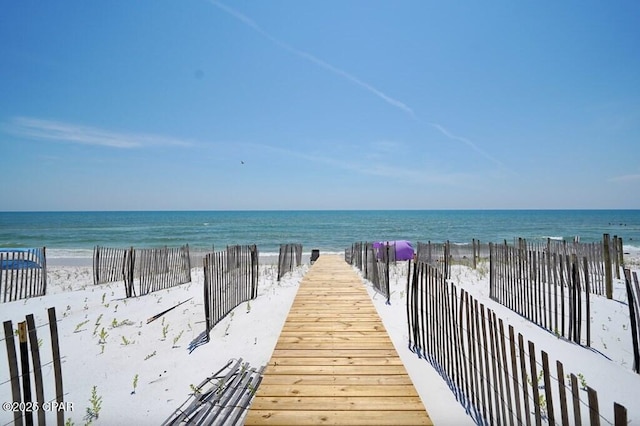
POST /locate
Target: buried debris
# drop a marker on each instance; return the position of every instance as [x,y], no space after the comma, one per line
[221,399]
[155,317]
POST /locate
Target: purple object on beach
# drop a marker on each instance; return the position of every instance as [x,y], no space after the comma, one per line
[404,249]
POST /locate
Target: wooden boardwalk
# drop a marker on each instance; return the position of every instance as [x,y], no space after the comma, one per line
[334,363]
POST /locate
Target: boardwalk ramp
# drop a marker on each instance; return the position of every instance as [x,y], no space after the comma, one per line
[334,363]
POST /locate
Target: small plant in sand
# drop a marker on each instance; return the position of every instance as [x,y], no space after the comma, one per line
[97,325]
[583,381]
[542,403]
[165,330]
[252,389]
[126,342]
[175,339]
[482,269]
[79,326]
[226,330]
[103,336]
[150,355]
[135,383]
[195,390]
[116,324]
[93,411]
[104,296]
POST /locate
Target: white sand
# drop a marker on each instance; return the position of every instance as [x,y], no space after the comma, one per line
[166,370]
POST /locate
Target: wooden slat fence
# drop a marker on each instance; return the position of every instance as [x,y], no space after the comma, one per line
[374,265]
[154,268]
[32,393]
[222,399]
[552,290]
[633,298]
[230,278]
[111,264]
[498,376]
[289,257]
[443,255]
[436,255]
[161,268]
[23,273]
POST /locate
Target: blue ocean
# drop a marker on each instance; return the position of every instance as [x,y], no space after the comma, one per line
[74,234]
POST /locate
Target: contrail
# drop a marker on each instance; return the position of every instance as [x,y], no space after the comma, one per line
[305,55]
[319,62]
[466,141]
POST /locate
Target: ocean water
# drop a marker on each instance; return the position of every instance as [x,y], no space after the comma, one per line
[74,234]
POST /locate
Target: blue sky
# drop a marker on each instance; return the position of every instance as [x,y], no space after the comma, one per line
[163,105]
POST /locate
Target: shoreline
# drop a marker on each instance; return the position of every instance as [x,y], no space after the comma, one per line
[84,258]
[64,260]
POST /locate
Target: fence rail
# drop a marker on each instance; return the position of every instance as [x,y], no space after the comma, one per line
[498,376]
[23,273]
[633,298]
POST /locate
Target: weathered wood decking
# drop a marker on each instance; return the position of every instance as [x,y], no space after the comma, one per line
[334,362]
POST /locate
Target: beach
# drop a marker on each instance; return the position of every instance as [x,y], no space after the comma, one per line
[143,372]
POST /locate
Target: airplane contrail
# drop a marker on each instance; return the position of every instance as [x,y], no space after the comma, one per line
[308,56]
[335,70]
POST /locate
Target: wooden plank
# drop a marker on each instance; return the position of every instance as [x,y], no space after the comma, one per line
[335,345]
[336,390]
[342,403]
[330,417]
[335,361]
[360,370]
[311,379]
[301,353]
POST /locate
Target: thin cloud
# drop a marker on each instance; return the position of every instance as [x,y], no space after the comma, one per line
[625,178]
[335,70]
[466,141]
[401,174]
[58,131]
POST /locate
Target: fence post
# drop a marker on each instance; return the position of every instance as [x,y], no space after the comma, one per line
[37,367]
[57,365]
[620,413]
[25,368]
[13,369]
[634,303]
[608,276]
